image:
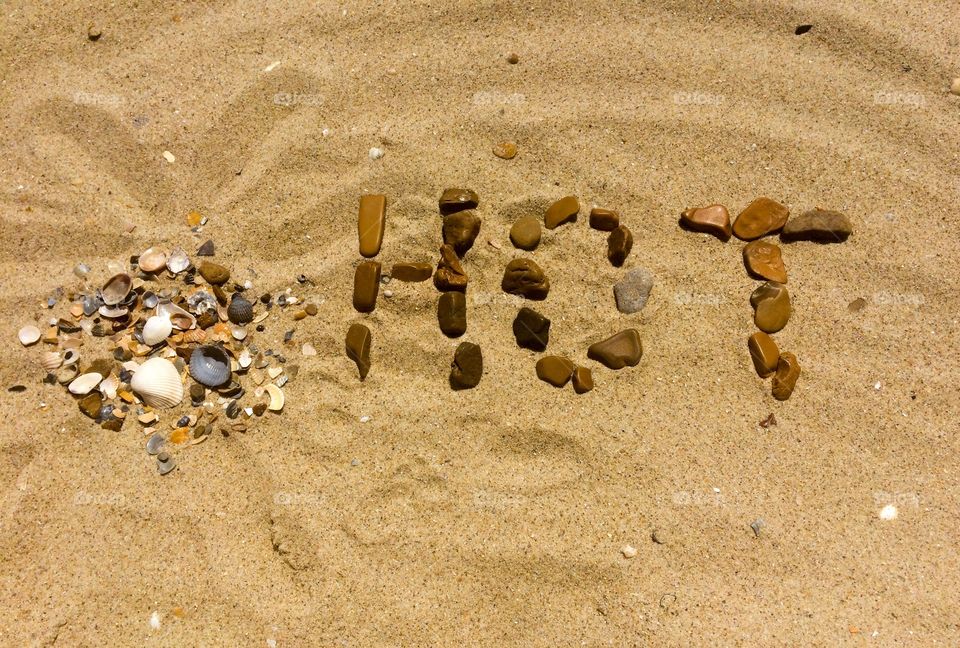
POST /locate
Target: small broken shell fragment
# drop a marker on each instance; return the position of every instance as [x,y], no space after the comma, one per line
[116,289]
[84,384]
[165,463]
[67,374]
[276,397]
[108,386]
[29,335]
[152,260]
[178,317]
[178,261]
[154,444]
[245,359]
[70,357]
[113,312]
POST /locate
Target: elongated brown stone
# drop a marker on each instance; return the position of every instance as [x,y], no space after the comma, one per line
[555,370]
[819,225]
[460,231]
[366,285]
[764,353]
[411,272]
[763,259]
[467,367]
[455,199]
[562,211]
[605,220]
[450,274]
[371,223]
[712,219]
[771,304]
[785,380]
[582,380]
[620,350]
[452,313]
[761,217]
[524,277]
[619,244]
[358,347]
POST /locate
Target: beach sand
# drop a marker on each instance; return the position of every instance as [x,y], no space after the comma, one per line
[497,515]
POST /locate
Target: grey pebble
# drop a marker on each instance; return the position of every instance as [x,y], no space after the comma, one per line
[632,291]
[756,525]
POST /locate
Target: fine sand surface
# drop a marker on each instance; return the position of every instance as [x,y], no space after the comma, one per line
[496,516]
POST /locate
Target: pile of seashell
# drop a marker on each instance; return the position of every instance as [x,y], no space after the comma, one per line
[163,320]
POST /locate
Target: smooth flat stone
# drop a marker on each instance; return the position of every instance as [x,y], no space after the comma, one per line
[761,217]
[366,285]
[454,199]
[467,367]
[371,223]
[763,259]
[411,272]
[819,225]
[531,329]
[764,353]
[452,313]
[620,350]
[90,405]
[460,230]
[633,290]
[505,150]
[788,372]
[562,211]
[358,347]
[771,304]
[582,380]
[525,233]
[450,274]
[555,370]
[619,244]
[524,277]
[214,273]
[712,219]
[605,220]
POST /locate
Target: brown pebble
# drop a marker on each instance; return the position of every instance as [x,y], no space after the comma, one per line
[260,409]
[411,272]
[582,380]
[450,274]
[555,370]
[620,350]
[524,277]
[90,405]
[525,233]
[763,259]
[761,217]
[214,273]
[619,244]
[460,230]
[94,32]
[784,381]
[512,58]
[505,150]
[563,211]
[764,353]
[453,200]
[531,329]
[311,309]
[605,220]
[299,315]
[366,285]
[712,219]
[371,223]
[771,304]
[857,305]
[452,313]
[818,225]
[358,347]
[467,366]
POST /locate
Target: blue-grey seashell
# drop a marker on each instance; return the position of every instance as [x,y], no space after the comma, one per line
[210,365]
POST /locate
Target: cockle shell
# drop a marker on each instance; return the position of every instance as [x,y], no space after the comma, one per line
[108,387]
[210,365]
[152,260]
[84,383]
[180,318]
[51,361]
[29,335]
[157,381]
[116,289]
[240,310]
[156,329]
[178,261]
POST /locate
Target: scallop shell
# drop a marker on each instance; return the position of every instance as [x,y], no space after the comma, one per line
[240,310]
[85,383]
[210,365]
[156,329]
[152,260]
[116,289]
[180,318]
[178,261]
[51,361]
[157,381]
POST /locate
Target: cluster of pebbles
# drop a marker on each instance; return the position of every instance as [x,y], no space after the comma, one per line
[764,261]
[159,332]
[522,277]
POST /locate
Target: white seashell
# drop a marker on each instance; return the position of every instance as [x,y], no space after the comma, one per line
[158,383]
[152,260]
[109,386]
[238,332]
[180,318]
[70,357]
[51,361]
[113,312]
[29,335]
[156,329]
[178,261]
[116,289]
[245,359]
[84,383]
[276,398]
